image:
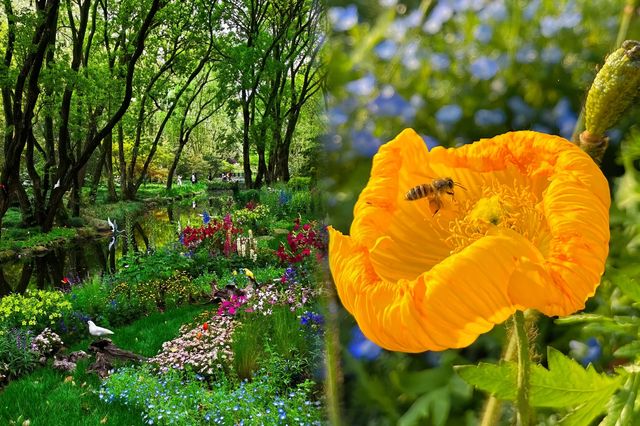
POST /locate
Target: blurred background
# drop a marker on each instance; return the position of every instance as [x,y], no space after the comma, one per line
[457,71]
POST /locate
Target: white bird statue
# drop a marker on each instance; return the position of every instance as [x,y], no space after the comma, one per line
[94,330]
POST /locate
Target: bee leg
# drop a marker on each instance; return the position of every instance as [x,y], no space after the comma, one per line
[435,205]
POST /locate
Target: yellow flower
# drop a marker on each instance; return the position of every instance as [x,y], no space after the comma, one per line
[530,230]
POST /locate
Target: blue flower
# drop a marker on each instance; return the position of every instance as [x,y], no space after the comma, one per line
[363,86]
[489,117]
[551,55]
[337,116]
[364,143]
[386,49]
[205,217]
[526,54]
[440,61]
[587,353]
[390,104]
[530,10]
[484,68]
[431,142]
[362,348]
[483,33]
[496,10]
[343,18]
[438,16]
[449,114]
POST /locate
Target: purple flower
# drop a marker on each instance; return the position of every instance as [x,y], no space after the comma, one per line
[449,114]
[484,68]
[362,348]
[343,18]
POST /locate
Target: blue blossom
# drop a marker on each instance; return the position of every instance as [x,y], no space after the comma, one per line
[205,217]
[439,61]
[430,141]
[343,18]
[390,104]
[489,117]
[363,86]
[399,27]
[386,49]
[519,106]
[362,348]
[438,16]
[551,55]
[549,26]
[483,33]
[337,116]
[587,353]
[449,114]
[530,10]
[495,10]
[364,143]
[411,57]
[484,68]
[526,54]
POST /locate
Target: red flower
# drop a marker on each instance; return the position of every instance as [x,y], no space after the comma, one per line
[205,326]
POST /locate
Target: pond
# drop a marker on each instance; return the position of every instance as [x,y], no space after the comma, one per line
[77,261]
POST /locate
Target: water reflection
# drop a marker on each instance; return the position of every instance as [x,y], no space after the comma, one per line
[58,268]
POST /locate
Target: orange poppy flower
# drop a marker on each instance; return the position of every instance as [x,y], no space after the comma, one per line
[530,230]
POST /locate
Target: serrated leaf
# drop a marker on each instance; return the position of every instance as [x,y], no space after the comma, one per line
[567,384]
[435,405]
[497,379]
[587,412]
[630,350]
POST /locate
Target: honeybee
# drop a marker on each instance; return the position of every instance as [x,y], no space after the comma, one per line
[433,191]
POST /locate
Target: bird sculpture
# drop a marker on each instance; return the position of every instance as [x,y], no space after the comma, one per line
[94,330]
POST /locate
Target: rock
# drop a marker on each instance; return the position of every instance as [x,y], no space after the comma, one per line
[106,353]
[64,365]
[39,249]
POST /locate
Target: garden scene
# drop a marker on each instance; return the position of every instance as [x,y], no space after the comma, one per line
[161,242]
[483,244]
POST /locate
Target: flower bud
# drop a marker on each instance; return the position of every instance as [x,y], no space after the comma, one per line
[614,88]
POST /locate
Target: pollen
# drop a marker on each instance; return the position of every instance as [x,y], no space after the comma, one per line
[513,207]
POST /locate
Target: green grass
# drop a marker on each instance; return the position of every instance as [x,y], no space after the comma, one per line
[21,238]
[44,398]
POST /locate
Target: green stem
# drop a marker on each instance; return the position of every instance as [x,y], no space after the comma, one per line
[493,407]
[332,358]
[524,367]
[623,29]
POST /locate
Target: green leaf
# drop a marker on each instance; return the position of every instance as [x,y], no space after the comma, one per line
[573,319]
[435,405]
[630,350]
[621,409]
[628,285]
[499,380]
[419,382]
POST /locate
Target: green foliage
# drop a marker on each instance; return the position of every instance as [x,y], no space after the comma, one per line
[565,384]
[299,183]
[161,264]
[256,218]
[25,238]
[16,357]
[243,197]
[36,309]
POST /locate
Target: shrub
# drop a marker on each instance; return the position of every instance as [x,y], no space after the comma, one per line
[302,241]
[217,237]
[299,183]
[243,197]
[35,309]
[16,358]
[256,218]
